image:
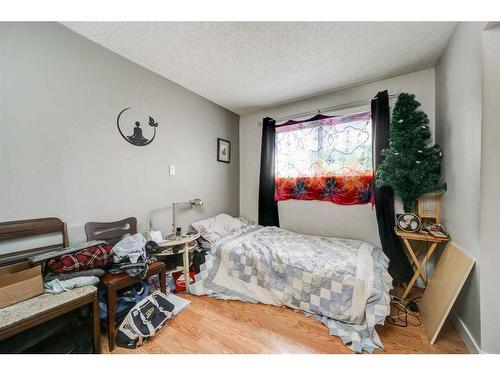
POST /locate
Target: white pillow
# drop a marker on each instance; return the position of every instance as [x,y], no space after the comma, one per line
[214,228]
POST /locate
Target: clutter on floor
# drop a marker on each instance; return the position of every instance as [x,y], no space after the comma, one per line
[178,302]
[404,312]
[140,308]
[143,321]
[126,299]
[147,317]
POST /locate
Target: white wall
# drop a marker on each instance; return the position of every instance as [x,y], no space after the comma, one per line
[317,217]
[490,198]
[458,130]
[61,154]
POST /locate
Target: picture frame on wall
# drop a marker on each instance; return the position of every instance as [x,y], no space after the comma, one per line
[223,150]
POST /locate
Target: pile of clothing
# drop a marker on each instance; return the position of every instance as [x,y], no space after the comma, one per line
[133,255]
[140,311]
[68,269]
[81,268]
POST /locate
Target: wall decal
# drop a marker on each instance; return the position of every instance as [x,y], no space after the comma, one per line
[137,139]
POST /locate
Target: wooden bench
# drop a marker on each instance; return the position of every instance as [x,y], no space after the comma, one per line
[24,315]
[27,314]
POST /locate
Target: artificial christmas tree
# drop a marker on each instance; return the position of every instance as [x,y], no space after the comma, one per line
[409,165]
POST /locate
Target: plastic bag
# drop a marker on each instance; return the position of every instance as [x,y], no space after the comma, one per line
[180,281]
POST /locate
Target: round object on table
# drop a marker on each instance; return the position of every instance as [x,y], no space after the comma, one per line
[409,222]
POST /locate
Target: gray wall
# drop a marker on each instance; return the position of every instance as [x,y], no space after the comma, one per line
[490,199]
[458,130]
[60,151]
[317,217]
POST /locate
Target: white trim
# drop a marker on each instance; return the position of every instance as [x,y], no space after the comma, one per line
[465,334]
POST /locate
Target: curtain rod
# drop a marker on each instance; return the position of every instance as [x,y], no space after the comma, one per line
[358,103]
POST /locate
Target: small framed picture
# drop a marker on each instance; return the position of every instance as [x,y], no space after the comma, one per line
[223,150]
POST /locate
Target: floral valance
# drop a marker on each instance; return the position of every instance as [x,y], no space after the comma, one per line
[325,158]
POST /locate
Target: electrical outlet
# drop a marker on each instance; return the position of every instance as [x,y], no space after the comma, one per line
[171,170]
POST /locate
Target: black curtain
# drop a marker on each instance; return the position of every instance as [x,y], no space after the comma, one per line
[399,266]
[268,207]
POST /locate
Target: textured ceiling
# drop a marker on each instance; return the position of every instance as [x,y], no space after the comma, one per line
[244,66]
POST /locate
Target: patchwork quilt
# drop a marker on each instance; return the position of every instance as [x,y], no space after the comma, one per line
[343,283]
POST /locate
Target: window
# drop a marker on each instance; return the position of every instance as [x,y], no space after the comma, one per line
[325,158]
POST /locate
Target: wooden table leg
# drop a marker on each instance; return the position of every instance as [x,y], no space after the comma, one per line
[96,325]
[417,271]
[410,285]
[428,256]
[415,259]
[163,281]
[417,251]
[415,275]
[111,302]
[186,266]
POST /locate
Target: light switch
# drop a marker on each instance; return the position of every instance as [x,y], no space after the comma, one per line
[172,170]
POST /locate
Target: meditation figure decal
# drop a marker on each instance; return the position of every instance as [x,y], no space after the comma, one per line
[137,138]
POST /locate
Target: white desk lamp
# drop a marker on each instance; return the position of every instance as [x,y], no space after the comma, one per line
[191,203]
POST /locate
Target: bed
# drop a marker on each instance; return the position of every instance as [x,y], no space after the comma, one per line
[343,283]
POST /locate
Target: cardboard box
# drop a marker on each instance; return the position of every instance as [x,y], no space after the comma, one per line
[19,282]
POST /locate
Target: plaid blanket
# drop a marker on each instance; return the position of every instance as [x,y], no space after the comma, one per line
[343,283]
[91,257]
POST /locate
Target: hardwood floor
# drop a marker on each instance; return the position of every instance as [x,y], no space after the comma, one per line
[209,325]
